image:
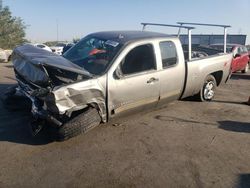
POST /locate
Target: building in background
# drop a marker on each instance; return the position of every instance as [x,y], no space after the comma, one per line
[214,39]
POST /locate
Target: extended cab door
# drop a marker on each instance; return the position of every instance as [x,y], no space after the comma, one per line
[133,83]
[172,70]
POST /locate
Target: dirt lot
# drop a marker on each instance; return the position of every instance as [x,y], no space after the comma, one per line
[187,144]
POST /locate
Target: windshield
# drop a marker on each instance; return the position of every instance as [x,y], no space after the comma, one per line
[93,54]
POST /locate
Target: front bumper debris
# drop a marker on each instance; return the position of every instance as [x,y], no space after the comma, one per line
[39,115]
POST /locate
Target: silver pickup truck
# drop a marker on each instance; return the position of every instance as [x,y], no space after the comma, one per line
[109,74]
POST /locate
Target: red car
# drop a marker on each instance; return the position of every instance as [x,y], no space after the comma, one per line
[241,60]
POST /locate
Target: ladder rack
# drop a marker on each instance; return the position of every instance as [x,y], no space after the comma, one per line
[189,28]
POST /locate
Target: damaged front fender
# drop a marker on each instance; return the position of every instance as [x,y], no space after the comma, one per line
[77,96]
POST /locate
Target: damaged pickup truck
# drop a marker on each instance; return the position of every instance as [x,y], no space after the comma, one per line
[108,74]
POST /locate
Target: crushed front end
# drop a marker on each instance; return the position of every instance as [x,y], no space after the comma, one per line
[55,86]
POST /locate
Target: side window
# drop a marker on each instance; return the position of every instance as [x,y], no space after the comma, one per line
[139,59]
[168,54]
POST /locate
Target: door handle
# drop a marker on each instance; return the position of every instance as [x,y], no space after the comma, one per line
[151,80]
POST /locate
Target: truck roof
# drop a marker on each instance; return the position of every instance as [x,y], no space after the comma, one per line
[127,36]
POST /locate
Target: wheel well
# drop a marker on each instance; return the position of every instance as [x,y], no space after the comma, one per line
[218,76]
[100,109]
[9,58]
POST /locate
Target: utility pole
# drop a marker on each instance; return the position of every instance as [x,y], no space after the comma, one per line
[56,29]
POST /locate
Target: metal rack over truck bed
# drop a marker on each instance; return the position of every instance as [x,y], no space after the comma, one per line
[186,25]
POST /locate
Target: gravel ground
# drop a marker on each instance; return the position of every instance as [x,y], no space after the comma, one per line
[186,144]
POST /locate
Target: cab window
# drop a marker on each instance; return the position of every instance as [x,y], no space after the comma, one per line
[139,59]
[168,54]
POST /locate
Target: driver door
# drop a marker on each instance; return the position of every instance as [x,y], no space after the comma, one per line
[134,85]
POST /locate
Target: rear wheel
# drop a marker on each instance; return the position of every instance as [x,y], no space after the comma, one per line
[208,90]
[246,68]
[81,123]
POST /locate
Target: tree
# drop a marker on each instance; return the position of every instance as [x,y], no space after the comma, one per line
[12,29]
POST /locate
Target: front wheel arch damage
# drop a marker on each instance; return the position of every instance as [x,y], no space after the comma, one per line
[69,100]
[73,114]
[69,115]
[81,121]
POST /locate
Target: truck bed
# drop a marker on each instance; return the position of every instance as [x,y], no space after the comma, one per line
[219,65]
[199,51]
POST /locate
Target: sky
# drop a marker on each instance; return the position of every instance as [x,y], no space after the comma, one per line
[77,18]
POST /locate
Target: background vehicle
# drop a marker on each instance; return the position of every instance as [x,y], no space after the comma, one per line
[67,47]
[58,49]
[109,74]
[43,46]
[241,56]
[248,48]
[5,55]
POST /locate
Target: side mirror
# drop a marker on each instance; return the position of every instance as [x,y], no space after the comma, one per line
[118,73]
[236,55]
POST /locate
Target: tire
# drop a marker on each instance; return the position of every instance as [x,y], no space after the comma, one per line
[207,91]
[81,123]
[246,68]
[9,58]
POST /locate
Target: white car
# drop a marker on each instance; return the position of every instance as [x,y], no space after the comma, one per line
[43,46]
[5,55]
[58,49]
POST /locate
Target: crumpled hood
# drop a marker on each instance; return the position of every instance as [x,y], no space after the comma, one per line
[30,62]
